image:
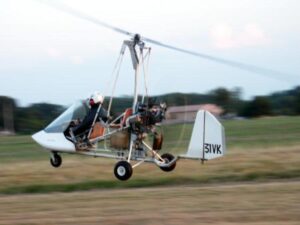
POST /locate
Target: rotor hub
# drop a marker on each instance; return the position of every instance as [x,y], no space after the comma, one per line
[137,38]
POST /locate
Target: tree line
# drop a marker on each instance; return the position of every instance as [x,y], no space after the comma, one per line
[36,116]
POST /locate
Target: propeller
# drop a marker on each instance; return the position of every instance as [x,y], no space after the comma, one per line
[138,39]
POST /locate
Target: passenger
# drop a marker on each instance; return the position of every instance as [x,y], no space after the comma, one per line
[152,113]
[95,102]
[157,113]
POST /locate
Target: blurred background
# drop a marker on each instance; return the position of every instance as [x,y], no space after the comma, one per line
[49,59]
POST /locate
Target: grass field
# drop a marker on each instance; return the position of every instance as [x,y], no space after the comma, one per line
[257,182]
[273,203]
[263,132]
[260,149]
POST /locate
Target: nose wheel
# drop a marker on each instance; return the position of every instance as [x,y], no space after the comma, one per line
[123,170]
[55,160]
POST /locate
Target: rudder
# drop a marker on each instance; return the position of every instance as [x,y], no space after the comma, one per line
[208,138]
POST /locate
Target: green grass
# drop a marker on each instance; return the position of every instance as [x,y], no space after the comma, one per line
[19,148]
[140,183]
[262,132]
[258,149]
[265,132]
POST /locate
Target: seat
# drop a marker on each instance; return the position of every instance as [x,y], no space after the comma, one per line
[98,131]
[127,113]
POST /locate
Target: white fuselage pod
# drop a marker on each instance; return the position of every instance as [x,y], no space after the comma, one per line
[53,141]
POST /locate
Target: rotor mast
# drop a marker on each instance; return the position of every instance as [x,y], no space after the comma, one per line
[136,48]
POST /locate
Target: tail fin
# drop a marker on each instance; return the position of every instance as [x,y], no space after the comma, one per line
[208,138]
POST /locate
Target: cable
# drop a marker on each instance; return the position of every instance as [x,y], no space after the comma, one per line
[108,86]
[115,83]
[145,72]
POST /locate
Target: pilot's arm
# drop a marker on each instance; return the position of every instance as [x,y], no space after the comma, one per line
[103,115]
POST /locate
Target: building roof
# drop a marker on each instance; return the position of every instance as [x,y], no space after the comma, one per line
[194,108]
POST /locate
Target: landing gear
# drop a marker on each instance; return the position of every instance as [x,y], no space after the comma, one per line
[168,158]
[55,160]
[123,170]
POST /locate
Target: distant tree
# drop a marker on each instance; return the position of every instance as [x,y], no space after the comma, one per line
[222,97]
[286,102]
[236,102]
[297,102]
[36,117]
[1,113]
[259,106]
[7,111]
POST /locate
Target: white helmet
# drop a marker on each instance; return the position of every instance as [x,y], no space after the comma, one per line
[96,98]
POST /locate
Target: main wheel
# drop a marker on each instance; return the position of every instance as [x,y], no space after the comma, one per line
[56,160]
[123,170]
[168,158]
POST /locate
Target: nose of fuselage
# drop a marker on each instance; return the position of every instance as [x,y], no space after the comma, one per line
[53,141]
[39,137]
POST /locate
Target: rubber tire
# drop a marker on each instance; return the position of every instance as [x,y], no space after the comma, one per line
[57,160]
[168,157]
[125,168]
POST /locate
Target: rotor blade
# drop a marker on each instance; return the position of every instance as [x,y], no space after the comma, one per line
[73,12]
[240,65]
[243,66]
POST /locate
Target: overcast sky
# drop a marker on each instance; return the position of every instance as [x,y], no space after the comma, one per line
[49,56]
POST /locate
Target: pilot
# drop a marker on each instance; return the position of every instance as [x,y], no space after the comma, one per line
[95,102]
